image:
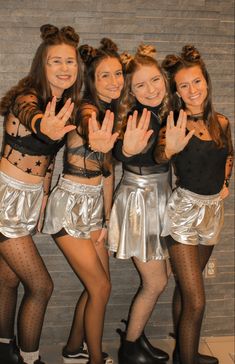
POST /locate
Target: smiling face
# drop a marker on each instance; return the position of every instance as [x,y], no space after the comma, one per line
[191,85]
[109,79]
[61,68]
[148,85]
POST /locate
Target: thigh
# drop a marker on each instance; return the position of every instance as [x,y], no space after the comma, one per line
[84,260]
[7,275]
[101,250]
[24,260]
[186,265]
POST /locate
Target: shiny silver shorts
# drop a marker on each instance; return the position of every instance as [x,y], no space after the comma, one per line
[20,205]
[193,219]
[137,216]
[78,208]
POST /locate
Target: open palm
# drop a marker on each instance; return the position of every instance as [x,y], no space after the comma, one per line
[101,139]
[54,126]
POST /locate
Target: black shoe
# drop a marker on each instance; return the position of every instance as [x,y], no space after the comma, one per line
[201,358]
[131,353]
[38,361]
[9,353]
[156,353]
[82,356]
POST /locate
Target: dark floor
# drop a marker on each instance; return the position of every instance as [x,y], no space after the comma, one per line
[221,347]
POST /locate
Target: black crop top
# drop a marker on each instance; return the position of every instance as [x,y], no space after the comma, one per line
[201,166]
[79,159]
[21,146]
[143,163]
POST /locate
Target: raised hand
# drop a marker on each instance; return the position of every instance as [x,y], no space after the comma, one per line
[54,126]
[101,138]
[136,137]
[176,140]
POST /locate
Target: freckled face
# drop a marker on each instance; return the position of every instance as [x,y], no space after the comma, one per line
[192,87]
[109,79]
[148,85]
[61,68]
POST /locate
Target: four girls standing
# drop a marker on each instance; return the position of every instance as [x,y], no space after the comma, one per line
[38,112]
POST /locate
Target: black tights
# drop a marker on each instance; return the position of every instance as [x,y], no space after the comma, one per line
[188,263]
[21,262]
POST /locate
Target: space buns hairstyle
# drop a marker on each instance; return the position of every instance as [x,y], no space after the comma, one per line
[89,53]
[188,56]
[146,50]
[50,32]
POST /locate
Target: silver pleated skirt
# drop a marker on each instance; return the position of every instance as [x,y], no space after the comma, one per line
[194,219]
[137,217]
[75,207]
[20,205]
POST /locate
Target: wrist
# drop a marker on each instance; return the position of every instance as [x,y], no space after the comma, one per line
[169,153]
[126,154]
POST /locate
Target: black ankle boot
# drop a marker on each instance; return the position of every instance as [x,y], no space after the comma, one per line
[156,353]
[9,353]
[132,353]
[201,358]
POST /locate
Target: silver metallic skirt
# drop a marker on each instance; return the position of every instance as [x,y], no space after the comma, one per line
[78,208]
[137,217]
[20,205]
[194,219]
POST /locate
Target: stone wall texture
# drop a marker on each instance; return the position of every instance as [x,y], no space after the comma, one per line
[168,24]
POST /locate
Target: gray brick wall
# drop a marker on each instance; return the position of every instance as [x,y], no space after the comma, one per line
[209,25]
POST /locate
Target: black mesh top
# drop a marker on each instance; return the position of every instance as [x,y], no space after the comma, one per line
[79,159]
[143,163]
[21,146]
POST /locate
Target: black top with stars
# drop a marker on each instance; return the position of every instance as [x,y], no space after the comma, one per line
[21,146]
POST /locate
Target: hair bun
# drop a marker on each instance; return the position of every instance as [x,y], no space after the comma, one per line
[170,61]
[126,58]
[108,44]
[190,53]
[87,53]
[146,50]
[70,33]
[48,31]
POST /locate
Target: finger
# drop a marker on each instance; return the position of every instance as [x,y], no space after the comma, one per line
[129,123]
[188,136]
[110,122]
[64,109]
[53,106]
[142,119]
[148,135]
[92,123]
[67,129]
[180,119]
[114,138]
[170,121]
[105,120]
[134,120]
[47,111]
[184,121]
[147,120]
[67,114]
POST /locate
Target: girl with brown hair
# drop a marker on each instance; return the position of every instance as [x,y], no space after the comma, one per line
[36,113]
[200,148]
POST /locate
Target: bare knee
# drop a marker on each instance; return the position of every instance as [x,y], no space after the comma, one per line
[100,291]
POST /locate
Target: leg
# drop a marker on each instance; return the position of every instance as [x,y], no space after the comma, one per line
[83,258]
[153,281]
[21,255]
[9,283]
[204,255]
[186,264]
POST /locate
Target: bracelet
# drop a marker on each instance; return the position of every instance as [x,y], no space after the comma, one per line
[226,182]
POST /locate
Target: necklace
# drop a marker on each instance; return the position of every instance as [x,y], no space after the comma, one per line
[195,117]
